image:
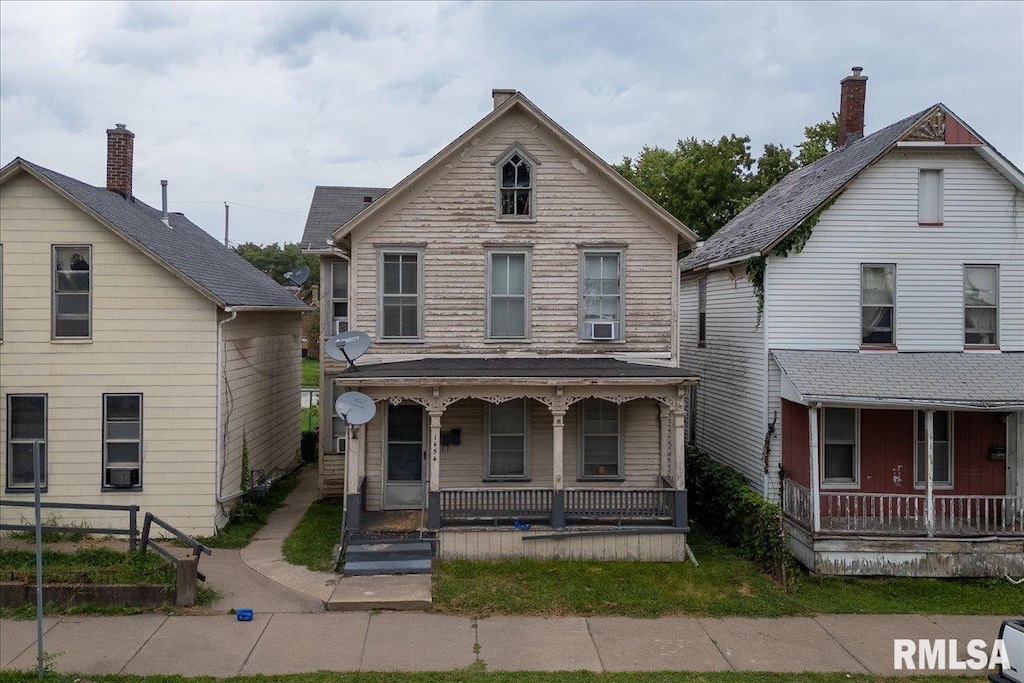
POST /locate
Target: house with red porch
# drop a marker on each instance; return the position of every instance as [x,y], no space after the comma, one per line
[859,332]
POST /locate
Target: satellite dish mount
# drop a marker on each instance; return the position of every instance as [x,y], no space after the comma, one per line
[347,346]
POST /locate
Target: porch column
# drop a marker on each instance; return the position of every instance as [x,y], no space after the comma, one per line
[929,472]
[557,485]
[812,417]
[353,504]
[679,460]
[434,466]
[665,450]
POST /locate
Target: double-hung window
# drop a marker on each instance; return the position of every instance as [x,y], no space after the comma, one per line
[507,439]
[601,295]
[840,446]
[878,304]
[26,423]
[401,293]
[122,441]
[600,440]
[72,292]
[508,295]
[942,450]
[339,297]
[981,306]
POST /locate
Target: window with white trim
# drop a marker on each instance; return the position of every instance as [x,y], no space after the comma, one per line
[601,294]
[508,295]
[401,294]
[942,450]
[339,297]
[515,187]
[840,446]
[878,304]
[600,440]
[702,310]
[507,440]
[72,292]
[929,196]
[122,441]
[26,423]
[981,306]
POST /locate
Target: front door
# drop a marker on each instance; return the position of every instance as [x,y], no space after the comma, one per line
[403,480]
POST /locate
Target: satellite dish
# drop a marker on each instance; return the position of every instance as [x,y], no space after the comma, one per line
[299,275]
[347,345]
[355,408]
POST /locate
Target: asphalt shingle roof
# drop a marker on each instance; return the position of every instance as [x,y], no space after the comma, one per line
[331,208]
[517,367]
[788,202]
[188,249]
[980,380]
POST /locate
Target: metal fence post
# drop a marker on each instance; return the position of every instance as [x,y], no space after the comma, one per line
[147,521]
[133,528]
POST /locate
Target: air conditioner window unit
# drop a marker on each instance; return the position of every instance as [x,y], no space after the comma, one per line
[339,444]
[340,325]
[601,331]
[122,478]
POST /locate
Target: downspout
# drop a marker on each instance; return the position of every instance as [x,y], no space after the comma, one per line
[221,441]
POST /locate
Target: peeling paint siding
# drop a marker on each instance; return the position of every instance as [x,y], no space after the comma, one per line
[152,334]
[454,217]
[815,295]
[732,367]
[491,544]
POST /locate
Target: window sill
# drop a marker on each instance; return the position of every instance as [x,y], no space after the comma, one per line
[510,219]
[502,479]
[597,478]
[878,347]
[967,348]
[602,341]
[72,341]
[26,491]
[118,489]
[930,225]
[840,485]
[935,487]
[511,340]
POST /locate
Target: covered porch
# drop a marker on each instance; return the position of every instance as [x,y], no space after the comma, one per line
[903,463]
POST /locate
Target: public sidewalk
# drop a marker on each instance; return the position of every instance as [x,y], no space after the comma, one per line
[412,641]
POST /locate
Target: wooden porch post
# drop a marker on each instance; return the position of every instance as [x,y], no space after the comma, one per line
[679,459]
[666,441]
[434,466]
[812,417]
[929,470]
[353,504]
[557,448]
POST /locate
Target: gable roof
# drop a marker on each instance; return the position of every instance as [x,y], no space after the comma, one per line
[184,248]
[785,205]
[519,101]
[332,207]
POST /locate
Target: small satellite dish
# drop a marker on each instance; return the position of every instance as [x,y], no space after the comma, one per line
[355,408]
[347,345]
[299,275]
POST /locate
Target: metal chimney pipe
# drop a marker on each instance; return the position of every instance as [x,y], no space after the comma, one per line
[163,213]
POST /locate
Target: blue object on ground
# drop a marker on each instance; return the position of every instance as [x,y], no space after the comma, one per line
[522,526]
[244,614]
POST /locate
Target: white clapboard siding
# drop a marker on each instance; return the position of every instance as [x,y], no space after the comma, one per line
[261,394]
[453,219]
[775,412]
[815,295]
[152,334]
[731,395]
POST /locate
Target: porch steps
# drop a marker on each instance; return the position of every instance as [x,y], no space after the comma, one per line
[375,557]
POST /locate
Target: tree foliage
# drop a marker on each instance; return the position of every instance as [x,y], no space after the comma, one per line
[705,183]
[275,261]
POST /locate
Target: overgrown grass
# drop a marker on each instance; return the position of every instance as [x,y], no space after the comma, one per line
[52,536]
[725,584]
[250,514]
[310,372]
[90,565]
[476,676]
[312,542]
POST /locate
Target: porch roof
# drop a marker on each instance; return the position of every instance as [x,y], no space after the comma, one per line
[544,369]
[980,381]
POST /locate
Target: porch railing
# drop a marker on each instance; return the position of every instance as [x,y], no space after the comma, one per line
[504,503]
[619,504]
[573,505]
[905,514]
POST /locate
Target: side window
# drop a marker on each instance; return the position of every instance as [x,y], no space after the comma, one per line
[122,441]
[401,294]
[942,450]
[339,297]
[507,449]
[601,295]
[26,423]
[840,452]
[600,440]
[508,295]
[878,304]
[72,292]
[981,306]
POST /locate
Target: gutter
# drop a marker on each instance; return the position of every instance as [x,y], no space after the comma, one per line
[245,309]
[221,432]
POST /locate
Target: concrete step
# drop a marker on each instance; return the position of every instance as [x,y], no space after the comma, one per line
[388,546]
[385,556]
[371,568]
[362,593]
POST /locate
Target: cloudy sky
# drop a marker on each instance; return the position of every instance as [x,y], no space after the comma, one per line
[256,103]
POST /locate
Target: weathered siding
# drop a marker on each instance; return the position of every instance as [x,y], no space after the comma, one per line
[260,396]
[815,295]
[490,544]
[152,334]
[732,368]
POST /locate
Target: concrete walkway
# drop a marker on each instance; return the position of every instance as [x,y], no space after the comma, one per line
[410,641]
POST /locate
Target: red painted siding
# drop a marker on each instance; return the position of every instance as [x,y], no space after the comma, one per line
[957,134]
[973,472]
[886,451]
[795,442]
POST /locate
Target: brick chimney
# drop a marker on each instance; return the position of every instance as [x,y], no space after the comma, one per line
[120,151]
[854,90]
[501,96]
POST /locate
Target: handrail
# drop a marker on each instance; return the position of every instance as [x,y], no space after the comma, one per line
[132,532]
[198,548]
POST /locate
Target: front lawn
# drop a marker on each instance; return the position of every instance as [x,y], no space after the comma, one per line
[310,373]
[725,585]
[312,542]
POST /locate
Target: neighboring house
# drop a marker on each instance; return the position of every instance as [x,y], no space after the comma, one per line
[521,298]
[139,350]
[879,393]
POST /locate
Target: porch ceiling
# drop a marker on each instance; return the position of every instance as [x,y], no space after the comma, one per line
[978,381]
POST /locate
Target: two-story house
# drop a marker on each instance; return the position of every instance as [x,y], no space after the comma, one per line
[859,331]
[521,300]
[149,361]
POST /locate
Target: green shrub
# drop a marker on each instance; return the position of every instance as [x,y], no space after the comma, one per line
[723,503]
[310,446]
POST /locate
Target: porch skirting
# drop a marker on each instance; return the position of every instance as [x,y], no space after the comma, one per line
[578,543]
